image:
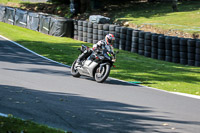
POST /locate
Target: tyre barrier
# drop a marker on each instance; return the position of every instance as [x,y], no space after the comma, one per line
[141,43]
[128,39]
[75,29]
[157,46]
[122,41]
[191,52]
[175,50]
[183,51]
[117,36]
[85,29]
[95,33]
[168,48]
[80,30]
[197,54]
[161,47]
[100,32]
[154,46]
[90,32]
[135,38]
[147,44]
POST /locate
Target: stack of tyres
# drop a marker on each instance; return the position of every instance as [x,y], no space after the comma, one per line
[100,32]
[95,33]
[175,50]
[191,52]
[135,38]
[80,30]
[168,48]
[183,51]
[117,36]
[128,39]
[85,29]
[122,42]
[112,29]
[154,46]
[2,13]
[21,18]
[75,29]
[197,54]
[90,32]
[161,47]
[105,29]
[141,43]
[147,44]
[33,20]
[10,15]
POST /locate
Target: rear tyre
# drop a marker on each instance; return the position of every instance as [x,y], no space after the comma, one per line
[101,76]
[74,71]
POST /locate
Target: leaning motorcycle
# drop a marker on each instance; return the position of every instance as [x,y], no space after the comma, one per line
[97,65]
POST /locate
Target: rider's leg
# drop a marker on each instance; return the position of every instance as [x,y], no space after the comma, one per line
[82,56]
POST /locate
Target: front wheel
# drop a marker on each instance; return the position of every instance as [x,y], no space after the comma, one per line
[74,71]
[101,75]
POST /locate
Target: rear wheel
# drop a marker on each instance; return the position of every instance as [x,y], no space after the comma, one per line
[74,71]
[101,75]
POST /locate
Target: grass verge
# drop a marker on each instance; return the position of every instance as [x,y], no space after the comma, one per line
[130,66]
[15,125]
[160,15]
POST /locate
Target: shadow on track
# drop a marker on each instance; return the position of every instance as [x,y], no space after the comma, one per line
[81,114]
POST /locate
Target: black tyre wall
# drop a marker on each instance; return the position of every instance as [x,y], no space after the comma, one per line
[191,43]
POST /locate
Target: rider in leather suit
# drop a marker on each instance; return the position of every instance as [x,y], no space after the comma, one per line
[109,40]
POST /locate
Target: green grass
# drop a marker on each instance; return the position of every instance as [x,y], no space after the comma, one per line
[15,125]
[129,66]
[11,1]
[160,15]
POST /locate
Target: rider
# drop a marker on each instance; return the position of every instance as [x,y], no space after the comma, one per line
[109,40]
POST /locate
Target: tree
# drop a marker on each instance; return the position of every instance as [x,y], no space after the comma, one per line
[175,5]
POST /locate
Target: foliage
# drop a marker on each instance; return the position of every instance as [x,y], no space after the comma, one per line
[60,1]
[161,15]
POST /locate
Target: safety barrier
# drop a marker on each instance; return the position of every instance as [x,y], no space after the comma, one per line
[44,23]
[185,51]
[2,13]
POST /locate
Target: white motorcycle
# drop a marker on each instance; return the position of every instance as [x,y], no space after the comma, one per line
[97,65]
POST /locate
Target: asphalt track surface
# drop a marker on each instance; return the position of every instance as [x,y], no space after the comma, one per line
[36,89]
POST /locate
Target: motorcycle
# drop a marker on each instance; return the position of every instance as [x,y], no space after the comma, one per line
[97,65]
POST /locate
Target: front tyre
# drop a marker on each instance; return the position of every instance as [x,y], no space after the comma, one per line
[74,71]
[101,75]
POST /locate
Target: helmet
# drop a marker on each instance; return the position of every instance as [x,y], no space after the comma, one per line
[110,39]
